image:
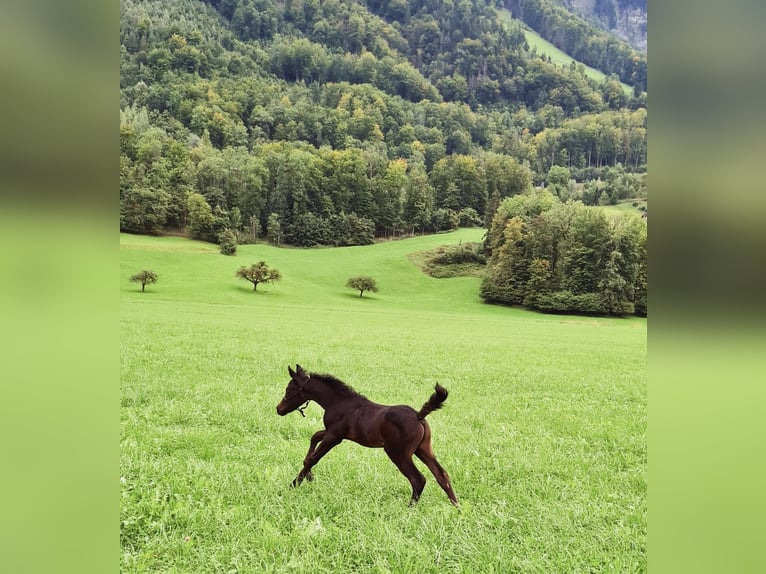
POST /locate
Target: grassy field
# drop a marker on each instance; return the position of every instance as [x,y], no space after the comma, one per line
[543,434]
[626,206]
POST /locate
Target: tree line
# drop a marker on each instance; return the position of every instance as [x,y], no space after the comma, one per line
[292,192]
[565,257]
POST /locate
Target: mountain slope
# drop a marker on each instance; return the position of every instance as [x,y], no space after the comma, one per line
[584,41]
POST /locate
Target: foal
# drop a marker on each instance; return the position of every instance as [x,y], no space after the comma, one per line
[400,430]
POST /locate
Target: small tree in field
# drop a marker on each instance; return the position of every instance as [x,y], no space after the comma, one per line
[362,284]
[258,273]
[145,277]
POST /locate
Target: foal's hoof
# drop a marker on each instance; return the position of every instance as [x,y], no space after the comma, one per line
[309,477]
[294,483]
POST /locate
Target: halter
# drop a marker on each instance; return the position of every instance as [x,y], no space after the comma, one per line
[300,392]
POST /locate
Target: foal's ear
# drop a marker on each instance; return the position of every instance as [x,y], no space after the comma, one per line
[300,369]
[290,370]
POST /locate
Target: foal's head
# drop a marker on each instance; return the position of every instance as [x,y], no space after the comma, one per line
[294,396]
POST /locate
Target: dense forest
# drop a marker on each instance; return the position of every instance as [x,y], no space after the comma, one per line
[565,257]
[337,121]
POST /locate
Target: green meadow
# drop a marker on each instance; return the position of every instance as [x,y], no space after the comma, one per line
[626,206]
[543,433]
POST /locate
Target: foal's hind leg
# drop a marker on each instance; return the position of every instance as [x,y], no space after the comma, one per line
[403,462]
[440,474]
[425,453]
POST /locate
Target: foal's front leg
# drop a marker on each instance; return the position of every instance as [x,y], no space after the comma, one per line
[315,455]
[317,436]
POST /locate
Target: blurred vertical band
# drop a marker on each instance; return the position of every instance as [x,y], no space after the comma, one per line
[59,397]
[706,274]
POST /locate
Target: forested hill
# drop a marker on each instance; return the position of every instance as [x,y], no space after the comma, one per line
[334,121]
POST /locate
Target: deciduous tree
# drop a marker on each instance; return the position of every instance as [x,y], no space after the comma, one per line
[258,273]
[362,283]
[146,277]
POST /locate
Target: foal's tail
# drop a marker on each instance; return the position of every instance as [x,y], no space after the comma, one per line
[435,402]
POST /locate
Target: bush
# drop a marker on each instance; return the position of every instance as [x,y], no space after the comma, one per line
[339,230]
[469,217]
[444,220]
[228,242]
[463,253]
[568,302]
[309,230]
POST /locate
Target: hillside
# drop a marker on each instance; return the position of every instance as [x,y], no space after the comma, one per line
[589,37]
[339,122]
[560,58]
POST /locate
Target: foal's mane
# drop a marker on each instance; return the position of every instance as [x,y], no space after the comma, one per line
[337,385]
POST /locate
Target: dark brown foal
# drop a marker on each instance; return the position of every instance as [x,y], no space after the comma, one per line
[399,429]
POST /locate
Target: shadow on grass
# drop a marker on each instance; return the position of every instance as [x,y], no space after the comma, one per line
[256,292]
[356,296]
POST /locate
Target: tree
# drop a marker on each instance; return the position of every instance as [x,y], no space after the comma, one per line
[143,210]
[258,273]
[558,180]
[274,229]
[362,284]
[202,223]
[145,277]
